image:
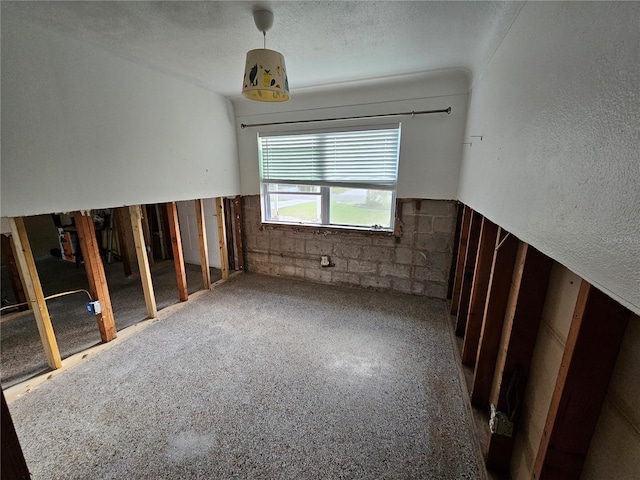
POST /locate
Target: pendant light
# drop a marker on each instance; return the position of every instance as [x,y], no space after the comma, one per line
[265,75]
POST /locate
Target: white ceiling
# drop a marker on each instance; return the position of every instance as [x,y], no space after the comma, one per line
[323,42]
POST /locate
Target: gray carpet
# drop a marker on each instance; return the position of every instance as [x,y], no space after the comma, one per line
[21,353]
[262,378]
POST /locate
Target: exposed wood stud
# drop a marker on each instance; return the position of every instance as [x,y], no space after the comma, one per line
[148,239]
[237,210]
[228,219]
[14,272]
[121,226]
[161,236]
[520,330]
[202,240]
[462,252]
[27,264]
[468,272]
[222,238]
[590,354]
[454,258]
[178,255]
[143,261]
[95,274]
[479,288]
[495,309]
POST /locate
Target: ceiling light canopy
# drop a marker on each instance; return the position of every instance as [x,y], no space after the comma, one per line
[265,75]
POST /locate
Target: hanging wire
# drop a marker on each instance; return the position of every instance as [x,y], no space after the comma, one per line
[55,295]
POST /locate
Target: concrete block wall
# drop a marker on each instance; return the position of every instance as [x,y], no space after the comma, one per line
[418,263]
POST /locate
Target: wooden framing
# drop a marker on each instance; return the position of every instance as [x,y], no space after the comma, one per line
[462,252]
[222,238]
[143,261]
[14,272]
[27,264]
[520,331]
[590,354]
[237,210]
[479,288]
[148,238]
[119,217]
[95,274]
[176,246]
[493,319]
[202,240]
[228,220]
[468,271]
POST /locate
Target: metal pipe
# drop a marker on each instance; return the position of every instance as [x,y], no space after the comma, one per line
[384,115]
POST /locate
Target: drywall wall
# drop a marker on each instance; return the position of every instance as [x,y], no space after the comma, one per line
[189,232]
[559,164]
[84,129]
[615,444]
[430,148]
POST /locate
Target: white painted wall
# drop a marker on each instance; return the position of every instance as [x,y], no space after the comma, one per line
[430,149]
[84,129]
[189,232]
[559,165]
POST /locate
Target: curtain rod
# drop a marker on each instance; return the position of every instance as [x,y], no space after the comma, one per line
[423,112]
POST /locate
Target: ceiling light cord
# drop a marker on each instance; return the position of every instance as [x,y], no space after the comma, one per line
[264,39]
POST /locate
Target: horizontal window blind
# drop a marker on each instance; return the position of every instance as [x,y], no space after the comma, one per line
[368,157]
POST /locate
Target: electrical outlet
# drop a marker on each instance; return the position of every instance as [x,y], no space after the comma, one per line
[499,423]
[324,261]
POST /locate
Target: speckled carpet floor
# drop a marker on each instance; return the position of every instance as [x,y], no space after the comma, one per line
[262,378]
[21,352]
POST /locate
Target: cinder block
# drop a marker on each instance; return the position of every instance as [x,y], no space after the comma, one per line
[425,224]
[401,285]
[409,223]
[445,208]
[287,270]
[347,250]
[444,224]
[421,257]
[436,290]
[434,242]
[262,243]
[404,256]
[399,271]
[417,288]
[306,262]
[375,282]
[353,238]
[317,247]
[441,260]
[318,275]
[408,207]
[345,278]
[424,274]
[359,266]
[339,264]
[388,241]
[380,255]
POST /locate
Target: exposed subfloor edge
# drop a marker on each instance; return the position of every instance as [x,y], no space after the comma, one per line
[473,424]
[21,388]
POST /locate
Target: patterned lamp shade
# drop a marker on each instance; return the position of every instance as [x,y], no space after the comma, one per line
[265,76]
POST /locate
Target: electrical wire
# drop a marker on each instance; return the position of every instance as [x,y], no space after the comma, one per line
[55,295]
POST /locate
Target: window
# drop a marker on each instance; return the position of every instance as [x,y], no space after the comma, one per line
[339,178]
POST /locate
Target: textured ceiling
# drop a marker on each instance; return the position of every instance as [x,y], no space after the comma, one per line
[323,42]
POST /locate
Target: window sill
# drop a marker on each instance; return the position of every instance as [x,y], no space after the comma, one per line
[324,229]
